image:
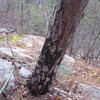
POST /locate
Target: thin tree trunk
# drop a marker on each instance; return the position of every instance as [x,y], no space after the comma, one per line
[66,17]
[22,17]
[47,20]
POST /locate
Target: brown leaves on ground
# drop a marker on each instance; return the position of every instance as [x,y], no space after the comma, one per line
[65,85]
[84,73]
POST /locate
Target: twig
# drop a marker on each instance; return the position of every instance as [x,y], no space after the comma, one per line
[59,90]
[9,45]
[63,93]
[10,48]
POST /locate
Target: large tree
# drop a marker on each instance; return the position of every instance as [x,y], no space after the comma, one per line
[66,17]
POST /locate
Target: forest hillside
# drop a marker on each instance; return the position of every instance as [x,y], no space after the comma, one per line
[24,25]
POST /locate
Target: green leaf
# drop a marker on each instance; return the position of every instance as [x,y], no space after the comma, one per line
[64,69]
[5,84]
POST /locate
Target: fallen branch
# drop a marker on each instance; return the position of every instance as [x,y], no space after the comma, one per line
[59,90]
[63,93]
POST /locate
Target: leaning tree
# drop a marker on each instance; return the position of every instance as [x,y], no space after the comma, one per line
[66,17]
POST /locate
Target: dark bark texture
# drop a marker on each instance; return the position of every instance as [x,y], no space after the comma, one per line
[66,17]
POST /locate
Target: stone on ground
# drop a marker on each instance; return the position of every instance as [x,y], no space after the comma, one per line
[23,72]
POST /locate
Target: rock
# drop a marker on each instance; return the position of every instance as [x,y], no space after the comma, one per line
[2,30]
[40,43]
[68,59]
[33,41]
[23,72]
[6,51]
[19,52]
[18,65]
[29,44]
[91,92]
[5,69]
[11,81]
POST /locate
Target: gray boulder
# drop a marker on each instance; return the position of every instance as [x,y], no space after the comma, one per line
[23,72]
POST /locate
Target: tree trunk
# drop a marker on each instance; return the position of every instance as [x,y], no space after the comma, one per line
[66,17]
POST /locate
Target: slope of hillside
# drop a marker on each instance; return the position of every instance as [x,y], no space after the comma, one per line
[75,78]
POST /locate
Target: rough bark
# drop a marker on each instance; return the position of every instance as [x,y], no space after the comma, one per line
[66,17]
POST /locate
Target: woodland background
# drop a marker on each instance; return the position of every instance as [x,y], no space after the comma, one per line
[78,77]
[33,17]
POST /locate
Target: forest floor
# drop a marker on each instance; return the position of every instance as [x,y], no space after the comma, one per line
[73,81]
